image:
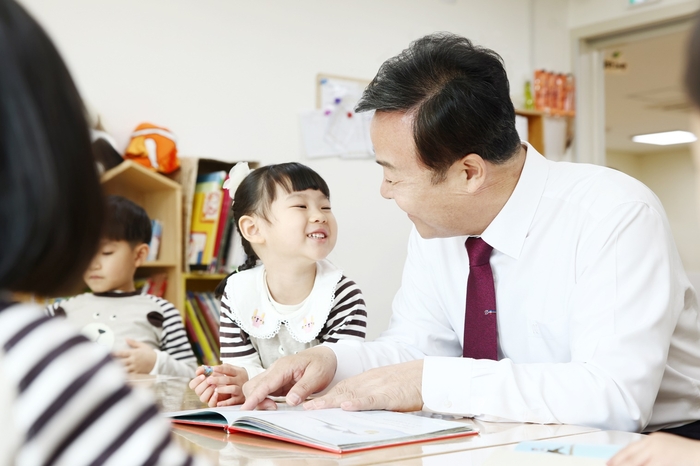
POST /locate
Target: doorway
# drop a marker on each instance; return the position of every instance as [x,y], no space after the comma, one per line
[631,84]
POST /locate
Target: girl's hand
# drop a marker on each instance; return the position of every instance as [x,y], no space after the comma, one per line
[227,381]
[222,387]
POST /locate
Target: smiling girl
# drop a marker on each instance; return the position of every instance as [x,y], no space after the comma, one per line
[286,297]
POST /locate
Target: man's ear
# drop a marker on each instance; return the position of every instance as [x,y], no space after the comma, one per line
[250,229]
[140,254]
[473,172]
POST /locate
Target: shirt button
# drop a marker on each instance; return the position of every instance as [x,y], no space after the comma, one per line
[281,350]
[448,404]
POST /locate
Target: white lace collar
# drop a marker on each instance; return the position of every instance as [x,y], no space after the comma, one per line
[255,314]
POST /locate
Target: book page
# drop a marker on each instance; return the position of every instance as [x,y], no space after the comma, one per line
[335,427]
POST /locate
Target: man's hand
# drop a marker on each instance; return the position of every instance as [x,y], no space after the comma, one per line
[139,359]
[296,376]
[393,388]
[659,450]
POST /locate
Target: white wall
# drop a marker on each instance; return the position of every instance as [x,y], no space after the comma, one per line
[672,177]
[588,12]
[229,78]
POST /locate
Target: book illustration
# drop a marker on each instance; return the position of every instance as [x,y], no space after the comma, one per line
[211,206]
[331,430]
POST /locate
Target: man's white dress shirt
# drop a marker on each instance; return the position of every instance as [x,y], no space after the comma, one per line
[597,321]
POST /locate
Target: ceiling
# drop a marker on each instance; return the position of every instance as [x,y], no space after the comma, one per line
[644,91]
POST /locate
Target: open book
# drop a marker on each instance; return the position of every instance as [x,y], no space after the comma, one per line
[332,430]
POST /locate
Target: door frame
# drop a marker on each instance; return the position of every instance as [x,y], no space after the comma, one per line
[587,44]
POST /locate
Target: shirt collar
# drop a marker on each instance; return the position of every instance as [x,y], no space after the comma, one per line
[507,232]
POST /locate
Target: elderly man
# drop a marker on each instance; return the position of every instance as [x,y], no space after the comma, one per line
[533,291]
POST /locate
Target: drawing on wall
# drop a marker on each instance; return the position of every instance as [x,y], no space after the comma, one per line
[333,129]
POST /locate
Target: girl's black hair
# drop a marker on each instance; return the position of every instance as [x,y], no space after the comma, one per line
[256,193]
[50,198]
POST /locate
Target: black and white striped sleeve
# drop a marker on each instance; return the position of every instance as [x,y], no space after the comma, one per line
[348,318]
[56,308]
[71,404]
[176,357]
[236,348]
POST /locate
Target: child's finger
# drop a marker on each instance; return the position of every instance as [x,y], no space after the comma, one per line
[221,381]
[226,369]
[206,395]
[233,390]
[234,400]
[213,400]
[194,383]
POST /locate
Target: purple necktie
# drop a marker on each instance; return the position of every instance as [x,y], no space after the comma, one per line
[480,332]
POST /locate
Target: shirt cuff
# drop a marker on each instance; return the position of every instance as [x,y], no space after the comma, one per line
[348,360]
[447,385]
[159,361]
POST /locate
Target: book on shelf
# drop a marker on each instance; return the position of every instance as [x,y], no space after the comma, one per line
[234,254]
[332,430]
[192,337]
[210,327]
[211,316]
[206,211]
[198,337]
[225,218]
[154,244]
[154,285]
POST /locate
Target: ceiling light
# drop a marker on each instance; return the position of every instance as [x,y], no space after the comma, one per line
[665,139]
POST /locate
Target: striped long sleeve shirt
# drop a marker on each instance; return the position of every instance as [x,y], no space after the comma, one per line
[63,401]
[347,320]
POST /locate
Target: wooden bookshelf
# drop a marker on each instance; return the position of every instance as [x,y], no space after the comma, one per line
[186,176]
[535,125]
[200,281]
[161,197]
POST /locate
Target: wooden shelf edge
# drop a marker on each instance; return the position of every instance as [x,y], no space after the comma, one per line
[154,264]
[129,165]
[204,276]
[554,113]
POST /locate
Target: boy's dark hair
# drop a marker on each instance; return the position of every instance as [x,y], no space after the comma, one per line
[458,95]
[692,70]
[50,197]
[257,191]
[126,221]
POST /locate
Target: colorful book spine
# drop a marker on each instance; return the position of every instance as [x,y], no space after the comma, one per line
[208,199]
[221,229]
[201,338]
[192,336]
[212,321]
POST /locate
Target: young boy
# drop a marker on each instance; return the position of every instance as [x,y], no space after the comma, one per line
[144,332]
